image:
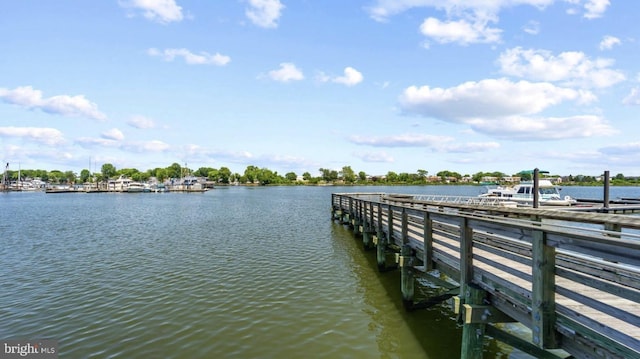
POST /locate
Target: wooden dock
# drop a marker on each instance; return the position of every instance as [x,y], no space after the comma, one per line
[571,277]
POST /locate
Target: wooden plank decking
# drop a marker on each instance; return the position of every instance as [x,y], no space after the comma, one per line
[573,278]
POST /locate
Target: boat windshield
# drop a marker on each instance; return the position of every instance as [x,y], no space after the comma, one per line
[548,190]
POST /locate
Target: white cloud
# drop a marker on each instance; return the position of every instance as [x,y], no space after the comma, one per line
[405,140]
[89,142]
[633,98]
[460,31]
[141,122]
[487,98]
[199,152]
[595,8]
[570,68]
[470,147]
[532,28]
[632,148]
[384,9]
[504,109]
[203,58]
[436,143]
[467,21]
[145,146]
[48,136]
[264,13]
[162,11]
[608,42]
[287,72]
[137,147]
[73,106]
[381,157]
[543,128]
[351,77]
[113,134]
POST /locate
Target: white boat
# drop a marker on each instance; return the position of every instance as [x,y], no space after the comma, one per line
[135,187]
[549,194]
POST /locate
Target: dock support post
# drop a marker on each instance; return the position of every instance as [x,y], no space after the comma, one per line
[605,199]
[472,333]
[543,307]
[427,242]
[406,276]
[381,251]
[536,188]
[334,209]
[406,262]
[366,227]
[471,294]
[380,242]
[350,216]
[355,222]
[366,239]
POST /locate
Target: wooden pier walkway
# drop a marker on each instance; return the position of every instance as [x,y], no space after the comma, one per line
[572,278]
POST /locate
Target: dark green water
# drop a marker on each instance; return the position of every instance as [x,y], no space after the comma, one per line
[235,272]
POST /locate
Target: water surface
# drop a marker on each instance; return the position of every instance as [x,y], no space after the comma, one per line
[233,272]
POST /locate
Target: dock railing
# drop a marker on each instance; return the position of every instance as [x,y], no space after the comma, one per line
[572,278]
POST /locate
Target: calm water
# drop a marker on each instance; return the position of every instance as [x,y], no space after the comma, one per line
[234,272]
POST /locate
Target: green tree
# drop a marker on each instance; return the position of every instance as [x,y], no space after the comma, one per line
[161,174]
[348,175]
[174,171]
[224,174]
[328,174]
[203,171]
[325,173]
[291,176]
[265,176]
[69,177]
[85,175]
[56,176]
[213,175]
[404,177]
[251,173]
[108,170]
[306,176]
[129,172]
[362,176]
[447,175]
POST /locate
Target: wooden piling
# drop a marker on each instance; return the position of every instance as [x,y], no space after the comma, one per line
[472,332]
[406,276]
[380,242]
[367,224]
[605,199]
[543,292]
[406,262]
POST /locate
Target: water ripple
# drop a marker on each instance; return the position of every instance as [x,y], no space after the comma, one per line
[251,273]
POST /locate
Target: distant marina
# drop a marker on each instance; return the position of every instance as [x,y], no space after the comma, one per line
[122,185]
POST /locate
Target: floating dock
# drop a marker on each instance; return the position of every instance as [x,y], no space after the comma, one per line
[571,277]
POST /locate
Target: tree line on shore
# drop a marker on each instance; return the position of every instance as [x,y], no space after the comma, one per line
[264,176]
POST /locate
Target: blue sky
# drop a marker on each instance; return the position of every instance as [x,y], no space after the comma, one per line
[295,86]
